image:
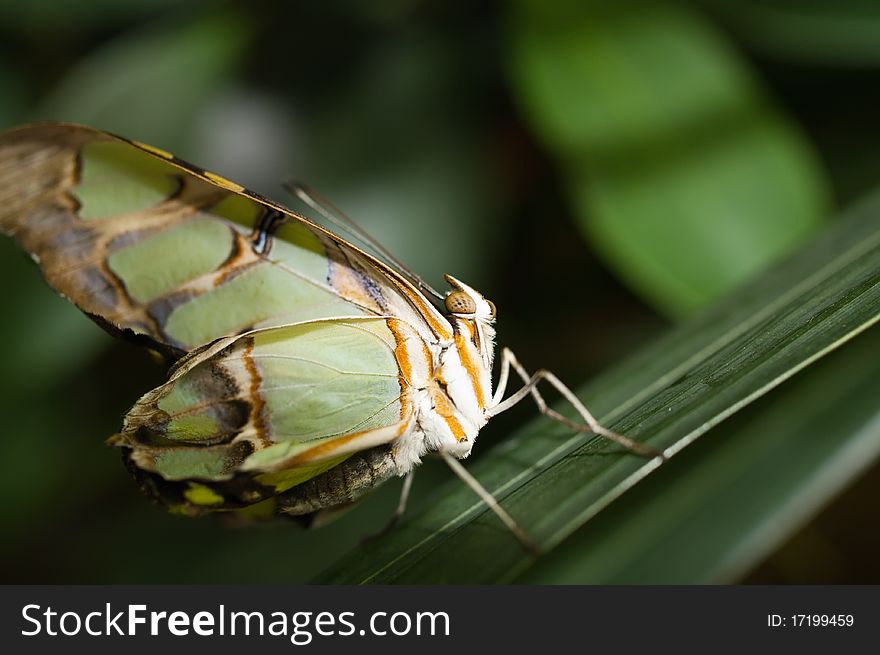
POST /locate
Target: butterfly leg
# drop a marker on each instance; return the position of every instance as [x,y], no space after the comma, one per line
[486,496]
[509,360]
[404,498]
[401,507]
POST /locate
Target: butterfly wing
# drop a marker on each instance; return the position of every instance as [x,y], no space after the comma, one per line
[254,415]
[151,246]
[294,344]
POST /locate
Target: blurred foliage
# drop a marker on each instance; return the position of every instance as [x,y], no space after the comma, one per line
[685,177]
[842,33]
[94,92]
[478,139]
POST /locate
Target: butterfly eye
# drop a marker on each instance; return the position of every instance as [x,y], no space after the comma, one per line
[458,302]
[491,308]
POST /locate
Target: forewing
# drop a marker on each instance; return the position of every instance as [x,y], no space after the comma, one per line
[265,411]
[146,243]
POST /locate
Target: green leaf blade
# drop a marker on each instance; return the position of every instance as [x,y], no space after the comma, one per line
[667,396]
[730,501]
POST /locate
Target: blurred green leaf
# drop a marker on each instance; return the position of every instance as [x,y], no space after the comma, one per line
[151,85]
[683,175]
[668,395]
[51,326]
[731,499]
[12,98]
[40,15]
[839,33]
[437,172]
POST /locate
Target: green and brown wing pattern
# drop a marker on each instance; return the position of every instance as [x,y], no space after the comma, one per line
[295,341]
[145,243]
[251,416]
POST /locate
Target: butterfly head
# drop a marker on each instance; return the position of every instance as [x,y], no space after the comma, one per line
[466,302]
[473,314]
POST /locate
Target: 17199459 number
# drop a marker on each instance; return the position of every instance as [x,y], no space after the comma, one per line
[810,620]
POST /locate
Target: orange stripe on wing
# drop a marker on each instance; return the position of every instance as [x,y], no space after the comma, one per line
[441,329]
[402,353]
[332,447]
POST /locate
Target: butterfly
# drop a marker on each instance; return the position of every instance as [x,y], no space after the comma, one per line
[306,369]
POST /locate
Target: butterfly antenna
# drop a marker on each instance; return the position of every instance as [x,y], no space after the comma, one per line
[341,220]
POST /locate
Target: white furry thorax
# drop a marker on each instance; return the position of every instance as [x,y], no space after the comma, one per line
[450,409]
